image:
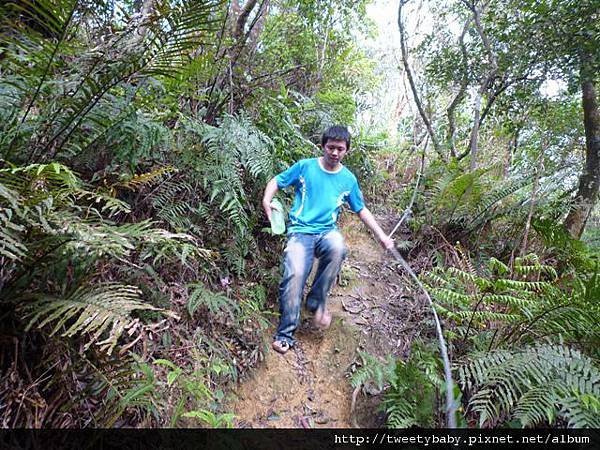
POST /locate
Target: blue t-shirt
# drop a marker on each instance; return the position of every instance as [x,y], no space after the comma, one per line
[320,194]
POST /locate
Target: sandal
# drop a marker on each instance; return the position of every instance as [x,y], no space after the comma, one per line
[322,319]
[280,346]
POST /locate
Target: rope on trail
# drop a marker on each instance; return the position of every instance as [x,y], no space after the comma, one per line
[450,404]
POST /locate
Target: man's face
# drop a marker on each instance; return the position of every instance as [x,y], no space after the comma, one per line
[333,152]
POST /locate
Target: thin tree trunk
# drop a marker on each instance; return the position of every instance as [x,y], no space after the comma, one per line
[534,195]
[460,95]
[242,18]
[146,9]
[475,131]
[256,30]
[485,84]
[413,87]
[589,181]
[511,149]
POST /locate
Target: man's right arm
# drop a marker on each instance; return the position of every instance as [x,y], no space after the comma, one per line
[270,192]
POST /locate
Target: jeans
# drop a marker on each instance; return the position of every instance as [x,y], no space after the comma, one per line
[300,251]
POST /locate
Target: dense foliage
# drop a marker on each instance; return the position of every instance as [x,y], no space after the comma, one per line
[136,139]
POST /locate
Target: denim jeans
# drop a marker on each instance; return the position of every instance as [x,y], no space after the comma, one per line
[300,251]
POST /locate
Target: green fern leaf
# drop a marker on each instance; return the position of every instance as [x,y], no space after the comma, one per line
[97,311]
[216,303]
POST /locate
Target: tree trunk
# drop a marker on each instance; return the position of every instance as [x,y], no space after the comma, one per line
[534,195]
[589,181]
[144,9]
[460,95]
[411,81]
[242,18]
[511,150]
[475,130]
[485,86]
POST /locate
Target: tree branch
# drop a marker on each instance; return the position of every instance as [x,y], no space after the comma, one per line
[485,84]
[411,81]
[240,23]
[460,95]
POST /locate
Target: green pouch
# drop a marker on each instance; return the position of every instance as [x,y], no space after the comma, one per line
[277,217]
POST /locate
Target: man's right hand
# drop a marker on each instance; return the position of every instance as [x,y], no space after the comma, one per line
[268,208]
[270,191]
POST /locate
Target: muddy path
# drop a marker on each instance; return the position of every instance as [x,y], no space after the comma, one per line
[309,387]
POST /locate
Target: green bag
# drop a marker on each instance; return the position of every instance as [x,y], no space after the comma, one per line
[277,217]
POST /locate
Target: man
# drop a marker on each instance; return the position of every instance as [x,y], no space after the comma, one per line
[322,185]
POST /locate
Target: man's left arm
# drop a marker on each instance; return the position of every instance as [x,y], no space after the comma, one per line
[368,219]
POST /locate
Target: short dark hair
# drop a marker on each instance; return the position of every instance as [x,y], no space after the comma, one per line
[336,133]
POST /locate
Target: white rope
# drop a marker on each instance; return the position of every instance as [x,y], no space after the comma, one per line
[450,403]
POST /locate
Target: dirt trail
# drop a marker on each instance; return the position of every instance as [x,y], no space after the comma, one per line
[309,386]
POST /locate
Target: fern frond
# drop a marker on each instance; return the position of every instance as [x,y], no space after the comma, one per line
[537,405]
[215,303]
[496,196]
[373,370]
[111,205]
[518,285]
[411,399]
[401,415]
[487,316]
[465,261]
[455,189]
[97,311]
[532,384]
[140,181]
[582,411]
[160,244]
[55,173]
[452,297]
[498,266]
[535,269]
[11,244]
[467,277]
[433,279]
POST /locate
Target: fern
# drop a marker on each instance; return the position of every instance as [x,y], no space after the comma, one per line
[139,393]
[177,203]
[535,385]
[469,199]
[211,419]
[160,245]
[11,245]
[507,300]
[137,182]
[573,252]
[231,162]
[69,124]
[450,191]
[493,198]
[412,397]
[214,302]
[36,183]
[234,148]
[411,387]
[96,311]
[373,371]
[582,411]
